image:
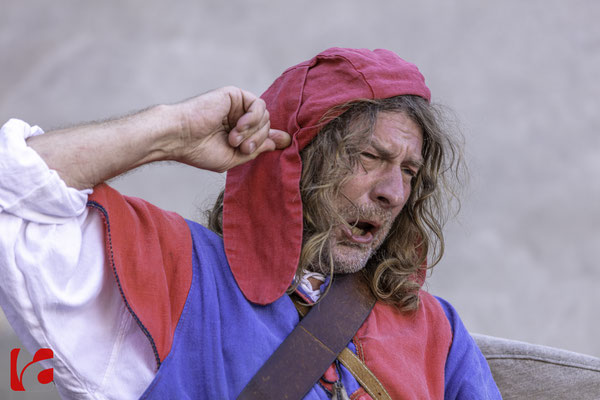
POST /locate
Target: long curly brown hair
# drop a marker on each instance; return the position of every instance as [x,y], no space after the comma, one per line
[415,241]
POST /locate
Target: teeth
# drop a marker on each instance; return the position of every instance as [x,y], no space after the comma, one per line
[357,231]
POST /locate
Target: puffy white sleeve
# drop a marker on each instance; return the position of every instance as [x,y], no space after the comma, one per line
[56,289]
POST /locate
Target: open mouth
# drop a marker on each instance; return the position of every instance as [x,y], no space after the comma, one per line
[361,231]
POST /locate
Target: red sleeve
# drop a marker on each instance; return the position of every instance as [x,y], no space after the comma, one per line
[150,253]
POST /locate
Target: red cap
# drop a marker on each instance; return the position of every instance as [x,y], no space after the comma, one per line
[262,212]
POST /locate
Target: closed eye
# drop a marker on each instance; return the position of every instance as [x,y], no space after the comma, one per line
[410,172]
[369,156]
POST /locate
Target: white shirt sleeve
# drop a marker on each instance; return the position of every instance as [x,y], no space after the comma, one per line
[57,290]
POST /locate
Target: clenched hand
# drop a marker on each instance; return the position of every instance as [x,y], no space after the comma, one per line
[224,128]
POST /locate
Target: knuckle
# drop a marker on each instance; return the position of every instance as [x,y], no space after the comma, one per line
[261,103]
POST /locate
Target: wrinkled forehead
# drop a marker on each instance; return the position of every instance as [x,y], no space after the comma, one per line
[395,134]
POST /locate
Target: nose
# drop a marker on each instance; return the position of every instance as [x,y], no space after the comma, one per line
[390,190]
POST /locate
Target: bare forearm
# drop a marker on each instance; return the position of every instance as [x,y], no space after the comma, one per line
[215,131]
[89,154]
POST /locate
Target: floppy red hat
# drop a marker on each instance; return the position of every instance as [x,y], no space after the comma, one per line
[262,211]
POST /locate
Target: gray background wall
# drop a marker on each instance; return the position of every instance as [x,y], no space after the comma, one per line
[522,77]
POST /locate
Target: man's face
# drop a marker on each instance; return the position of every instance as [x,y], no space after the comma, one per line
[374,195]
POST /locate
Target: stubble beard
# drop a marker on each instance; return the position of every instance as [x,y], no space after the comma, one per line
[348,256]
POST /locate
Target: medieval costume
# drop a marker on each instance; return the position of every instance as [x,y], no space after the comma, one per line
[165,308]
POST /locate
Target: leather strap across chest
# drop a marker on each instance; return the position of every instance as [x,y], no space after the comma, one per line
[355,365]
[304,356]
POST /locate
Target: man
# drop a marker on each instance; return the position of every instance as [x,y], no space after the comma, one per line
[135,301]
